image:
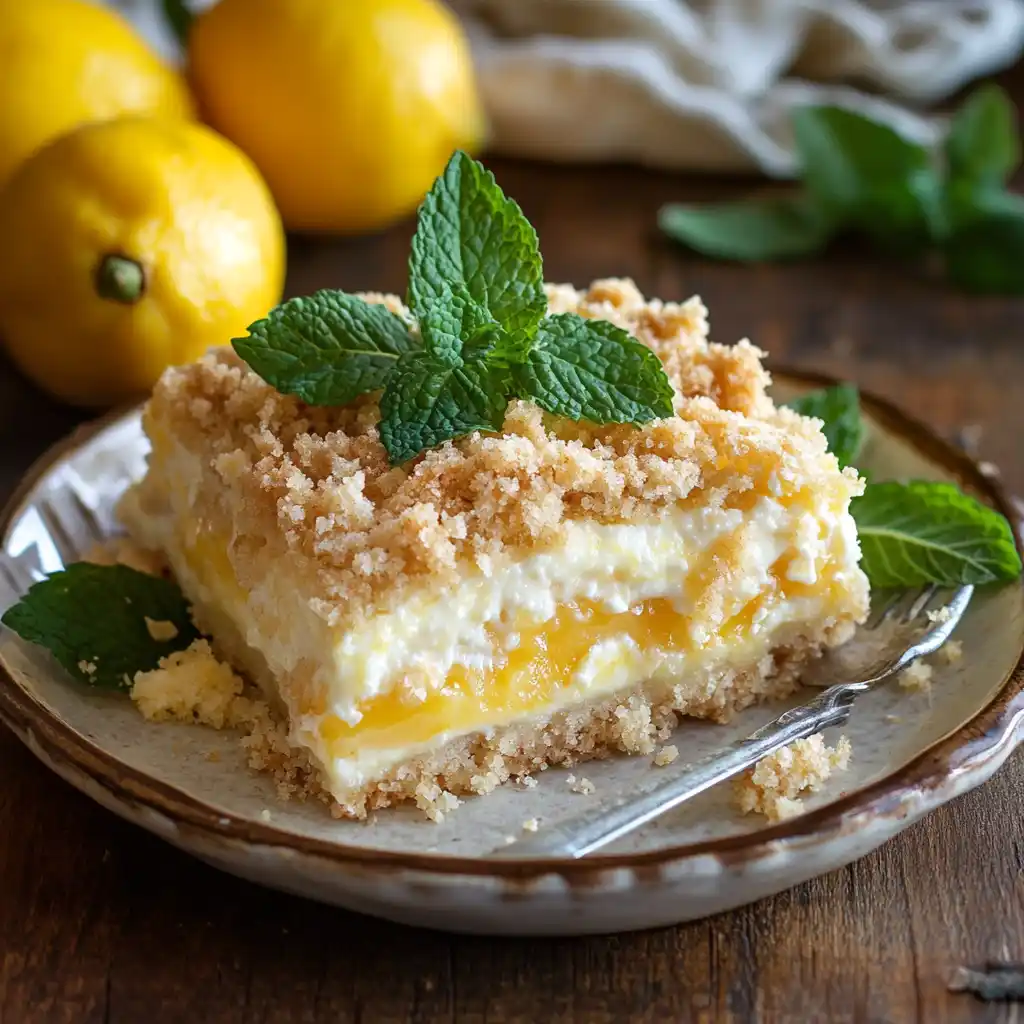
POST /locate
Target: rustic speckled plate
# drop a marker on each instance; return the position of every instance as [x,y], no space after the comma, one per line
[912,752]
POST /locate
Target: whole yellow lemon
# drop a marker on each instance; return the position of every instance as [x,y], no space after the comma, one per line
[129,246]
[350,108]
[67,62]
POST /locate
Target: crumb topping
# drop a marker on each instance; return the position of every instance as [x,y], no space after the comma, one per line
[316,485]
[774,785]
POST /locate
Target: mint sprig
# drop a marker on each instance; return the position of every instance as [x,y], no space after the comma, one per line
[476,289]
[919,532]
[428,401]
[592,370]
[476,245]
[93,620]
[326,349]
[862,177]
[838,408]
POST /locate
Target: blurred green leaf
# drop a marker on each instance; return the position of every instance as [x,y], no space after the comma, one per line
[865,176]
[749,232]
[984,252]
[983,146]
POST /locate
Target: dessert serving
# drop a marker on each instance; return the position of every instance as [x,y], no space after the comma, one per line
[521,598]
[500,526]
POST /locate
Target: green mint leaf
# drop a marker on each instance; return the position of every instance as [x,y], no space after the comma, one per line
[866,176]
[593,370]
[924,532]
[326,349]
[449,322]
[749,232]
[472,241]
[427,401]
[95,615]
[984,252]
[839,410]
[983,145]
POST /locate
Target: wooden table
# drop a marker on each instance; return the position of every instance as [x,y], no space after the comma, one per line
[99,922]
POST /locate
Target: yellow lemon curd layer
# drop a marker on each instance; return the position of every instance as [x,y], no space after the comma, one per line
[539,667]
[541,672]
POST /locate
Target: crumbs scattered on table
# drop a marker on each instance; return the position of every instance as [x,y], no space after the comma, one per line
[265,815]
[531,825]
[989,469]
[87,668]
[527,782]
[213,756]
[893,718]
[772,787]
[666,755]
[937,615]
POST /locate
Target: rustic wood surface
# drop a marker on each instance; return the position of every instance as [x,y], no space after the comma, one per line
[99,922]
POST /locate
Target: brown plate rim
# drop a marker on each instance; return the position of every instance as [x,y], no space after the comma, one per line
[983,735]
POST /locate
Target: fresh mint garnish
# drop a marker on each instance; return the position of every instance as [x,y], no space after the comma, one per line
[92,618]
[475,244]
[327,348]
[983,146]
[985,250]
[749,232]
[476,289]
[918,532]
[427,401]
[592,370]
[931,532]
[839,410]
[862,177]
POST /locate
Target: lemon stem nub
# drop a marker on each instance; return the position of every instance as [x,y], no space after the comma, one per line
[120,279]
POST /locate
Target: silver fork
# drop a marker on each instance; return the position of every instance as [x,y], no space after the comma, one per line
[901,633]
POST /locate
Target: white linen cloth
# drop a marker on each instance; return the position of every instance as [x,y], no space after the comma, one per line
[707,85]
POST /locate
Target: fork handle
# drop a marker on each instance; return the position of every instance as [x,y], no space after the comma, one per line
[658,792]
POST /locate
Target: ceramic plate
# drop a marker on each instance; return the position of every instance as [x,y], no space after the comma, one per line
[189,785]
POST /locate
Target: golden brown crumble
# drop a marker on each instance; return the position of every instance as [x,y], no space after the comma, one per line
[774,785]
[314,484]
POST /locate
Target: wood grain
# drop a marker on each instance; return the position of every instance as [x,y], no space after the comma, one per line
[99,922]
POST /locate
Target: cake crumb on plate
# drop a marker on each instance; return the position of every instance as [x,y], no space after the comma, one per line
[917,676]
[531,825]
[773,786]
[951,651]
[666,755]
[160,630]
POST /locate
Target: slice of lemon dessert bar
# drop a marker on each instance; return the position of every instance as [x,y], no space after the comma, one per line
[537,594]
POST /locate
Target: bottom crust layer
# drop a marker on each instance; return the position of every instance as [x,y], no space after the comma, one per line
[631,722]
